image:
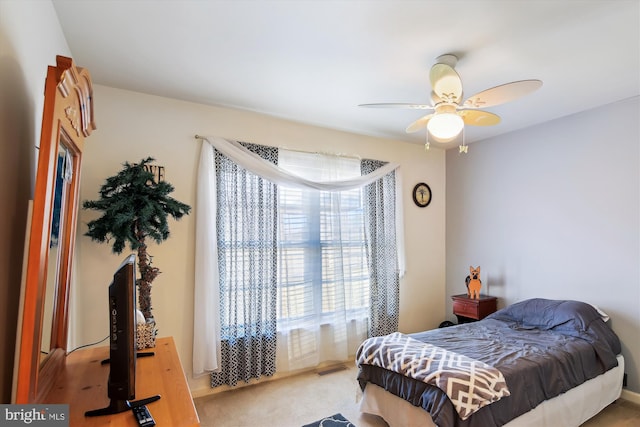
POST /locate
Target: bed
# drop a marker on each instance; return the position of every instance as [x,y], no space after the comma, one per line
[535,363]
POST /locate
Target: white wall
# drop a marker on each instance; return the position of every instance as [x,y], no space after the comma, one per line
[553,211]
[30,39]
[131,126]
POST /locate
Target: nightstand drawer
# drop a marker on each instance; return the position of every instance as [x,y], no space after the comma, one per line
[466,309]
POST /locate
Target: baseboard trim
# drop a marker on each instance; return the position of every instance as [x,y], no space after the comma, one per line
[630,396]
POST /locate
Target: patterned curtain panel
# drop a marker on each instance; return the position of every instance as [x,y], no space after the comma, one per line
[247,229]
[382,251]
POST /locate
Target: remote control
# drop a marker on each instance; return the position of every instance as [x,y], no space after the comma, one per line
[143,416]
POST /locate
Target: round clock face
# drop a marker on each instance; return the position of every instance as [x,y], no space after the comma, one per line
[422,194]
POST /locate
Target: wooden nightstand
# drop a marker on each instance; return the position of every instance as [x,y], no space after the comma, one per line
[468,310]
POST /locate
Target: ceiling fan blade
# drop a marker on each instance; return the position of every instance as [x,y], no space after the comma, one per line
[419,124]
[479,118]
[503,93]
[446,83]
[399,105]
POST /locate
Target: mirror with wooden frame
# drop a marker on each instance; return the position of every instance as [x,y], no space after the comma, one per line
[67,120]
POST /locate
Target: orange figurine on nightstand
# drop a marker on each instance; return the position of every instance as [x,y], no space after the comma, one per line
[473,283]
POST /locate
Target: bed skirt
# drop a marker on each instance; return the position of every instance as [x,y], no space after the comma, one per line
[569,409]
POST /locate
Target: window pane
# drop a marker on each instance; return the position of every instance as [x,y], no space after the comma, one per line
[323,264]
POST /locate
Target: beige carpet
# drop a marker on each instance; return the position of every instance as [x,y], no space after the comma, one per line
[304,398]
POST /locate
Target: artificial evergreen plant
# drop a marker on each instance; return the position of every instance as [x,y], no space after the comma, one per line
[135,207]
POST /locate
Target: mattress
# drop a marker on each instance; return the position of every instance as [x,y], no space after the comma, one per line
[572,408]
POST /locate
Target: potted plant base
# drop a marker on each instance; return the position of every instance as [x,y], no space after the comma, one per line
[146,334]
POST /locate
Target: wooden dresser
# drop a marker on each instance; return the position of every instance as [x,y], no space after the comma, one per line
[468,309]
[82,383]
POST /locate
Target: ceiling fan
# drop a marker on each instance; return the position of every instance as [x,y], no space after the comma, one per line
[450,113]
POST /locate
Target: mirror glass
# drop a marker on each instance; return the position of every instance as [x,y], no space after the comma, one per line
[63,176]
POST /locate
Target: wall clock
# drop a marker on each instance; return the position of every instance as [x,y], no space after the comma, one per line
[422,194]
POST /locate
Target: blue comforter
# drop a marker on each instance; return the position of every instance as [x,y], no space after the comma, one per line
[542,347]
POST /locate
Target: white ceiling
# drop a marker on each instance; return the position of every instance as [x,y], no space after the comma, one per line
[315,61]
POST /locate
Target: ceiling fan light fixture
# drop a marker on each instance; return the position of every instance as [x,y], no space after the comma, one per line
[445,126]
[450,112]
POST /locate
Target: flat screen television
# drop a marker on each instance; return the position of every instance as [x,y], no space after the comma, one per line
[121,386]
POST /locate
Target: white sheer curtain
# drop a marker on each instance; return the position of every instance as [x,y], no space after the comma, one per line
[323,278]
[206,341]
[206,313]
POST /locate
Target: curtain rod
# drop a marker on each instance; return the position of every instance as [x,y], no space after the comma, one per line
[352,156]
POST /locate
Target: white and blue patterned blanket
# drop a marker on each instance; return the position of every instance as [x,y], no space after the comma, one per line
[469,384]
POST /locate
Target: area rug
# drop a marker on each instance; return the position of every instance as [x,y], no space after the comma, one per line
[336,420]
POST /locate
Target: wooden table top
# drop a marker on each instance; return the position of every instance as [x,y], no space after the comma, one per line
[83,385]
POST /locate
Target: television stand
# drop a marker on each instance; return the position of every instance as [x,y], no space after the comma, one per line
[82,384]
[118,405]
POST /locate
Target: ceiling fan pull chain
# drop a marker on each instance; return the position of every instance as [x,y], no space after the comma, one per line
[464,148]
[426,145]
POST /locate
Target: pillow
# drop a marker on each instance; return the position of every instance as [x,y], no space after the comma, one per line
[573,318]
[547,314]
